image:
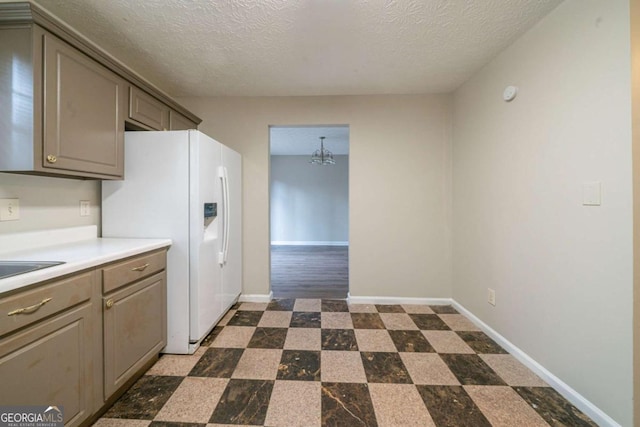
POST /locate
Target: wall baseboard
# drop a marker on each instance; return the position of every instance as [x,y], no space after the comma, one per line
[256,297]
[397,300]
[308,243]
[591,410]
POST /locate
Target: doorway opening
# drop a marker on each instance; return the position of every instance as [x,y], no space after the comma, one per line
[309,211]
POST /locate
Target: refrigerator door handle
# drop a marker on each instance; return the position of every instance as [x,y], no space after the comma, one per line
[224,249]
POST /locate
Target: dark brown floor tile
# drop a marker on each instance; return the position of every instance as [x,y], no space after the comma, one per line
[268,338]
[554,408]
[451,406]
[339,339]
[367,321]
[381,367]
[217,363]
[299,365]
[212,336]
[145,398]
[411,341]
[429,322]
[235,306]
[281,305]
[334,305]
[174,424]
[443,309]
[243,402]
[470,369]
[305,319]
[245,318]
[389,308]
[345,404]
[481,343]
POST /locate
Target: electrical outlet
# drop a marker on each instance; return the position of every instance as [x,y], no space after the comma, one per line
[85,209]
[9,209]
[491,297]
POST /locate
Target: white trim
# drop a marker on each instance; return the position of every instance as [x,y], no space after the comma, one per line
[591,410]
[308,243]
[256,297]
[397,300]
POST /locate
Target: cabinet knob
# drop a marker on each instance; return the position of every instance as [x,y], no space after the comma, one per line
[109,303]
[51,158]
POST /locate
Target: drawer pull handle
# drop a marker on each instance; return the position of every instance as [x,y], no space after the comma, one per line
[109,303]
[51,158]
[31,308]
[141,268]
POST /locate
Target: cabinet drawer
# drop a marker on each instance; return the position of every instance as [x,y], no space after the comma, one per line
[19,310]
[128,271]
[147,110]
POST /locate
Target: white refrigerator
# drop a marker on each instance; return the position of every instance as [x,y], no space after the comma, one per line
[185,186]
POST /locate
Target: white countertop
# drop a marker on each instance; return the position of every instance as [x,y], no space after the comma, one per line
[77,253]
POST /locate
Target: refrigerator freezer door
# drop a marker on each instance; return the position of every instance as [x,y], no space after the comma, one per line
[206,301]
[232,267]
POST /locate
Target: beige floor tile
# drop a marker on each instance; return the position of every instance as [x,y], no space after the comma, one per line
[234,337]
[229,425]
[399,405]
[428,368]
[511,371]
[275,319]
[341,367]
[253,306]
[447,342]
[362,308]
[457,322]
[225,319]
[258,364]
[294,403]
[176,364]
[117,422]
[193,401]
[336,321]
[503,407]
[303,304]
[303,339]
[400,321]
[417,309]
[374,340]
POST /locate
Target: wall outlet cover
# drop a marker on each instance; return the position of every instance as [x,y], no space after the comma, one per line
[9,209]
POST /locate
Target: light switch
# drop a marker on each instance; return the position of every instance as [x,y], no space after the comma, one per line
[592,193]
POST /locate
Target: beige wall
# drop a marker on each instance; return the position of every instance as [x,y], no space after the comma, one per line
[399,184]
[47,202]
[562,271]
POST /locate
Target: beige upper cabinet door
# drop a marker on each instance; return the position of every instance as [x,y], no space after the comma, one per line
[145,109]
[179,122]
[84,113]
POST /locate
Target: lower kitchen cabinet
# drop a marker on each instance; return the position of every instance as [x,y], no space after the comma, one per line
[134,329]
[59,347]
[50,361]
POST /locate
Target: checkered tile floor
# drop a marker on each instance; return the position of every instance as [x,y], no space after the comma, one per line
[312,362]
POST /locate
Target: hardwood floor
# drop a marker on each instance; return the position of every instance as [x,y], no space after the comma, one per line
[310,271]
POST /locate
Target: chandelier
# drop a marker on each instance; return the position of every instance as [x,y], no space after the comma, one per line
[322,156]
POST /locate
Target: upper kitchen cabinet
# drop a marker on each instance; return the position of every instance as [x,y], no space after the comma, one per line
[64,101]
[84,104]
[146,112]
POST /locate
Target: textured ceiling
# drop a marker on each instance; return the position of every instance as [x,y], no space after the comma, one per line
[302,47]
[304,140]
